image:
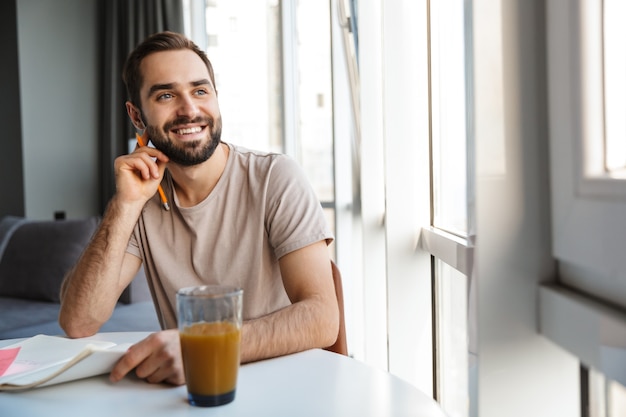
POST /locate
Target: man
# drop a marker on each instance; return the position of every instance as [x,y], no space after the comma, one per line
[237,216]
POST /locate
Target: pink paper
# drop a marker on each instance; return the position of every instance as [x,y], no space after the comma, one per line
[7,356]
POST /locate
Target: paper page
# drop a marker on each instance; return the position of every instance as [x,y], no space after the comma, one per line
[43,357]
[98,363]
[7,356]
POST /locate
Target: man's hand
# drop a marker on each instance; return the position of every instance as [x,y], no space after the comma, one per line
[138,175]
[156,359]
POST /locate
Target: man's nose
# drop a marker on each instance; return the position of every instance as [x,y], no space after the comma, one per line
[187,107]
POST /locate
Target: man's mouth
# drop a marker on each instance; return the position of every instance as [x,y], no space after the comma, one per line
[188,130]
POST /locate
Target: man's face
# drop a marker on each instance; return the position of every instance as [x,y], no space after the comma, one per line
[179,106]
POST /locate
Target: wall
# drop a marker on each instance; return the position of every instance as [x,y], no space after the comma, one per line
[11,176]
[520,372]
[58,63]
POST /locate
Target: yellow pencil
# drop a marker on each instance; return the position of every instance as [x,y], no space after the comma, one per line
[142,142]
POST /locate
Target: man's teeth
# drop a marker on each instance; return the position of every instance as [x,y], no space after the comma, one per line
[190,130]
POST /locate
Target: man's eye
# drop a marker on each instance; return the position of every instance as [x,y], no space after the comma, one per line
[164,96]
[201,92]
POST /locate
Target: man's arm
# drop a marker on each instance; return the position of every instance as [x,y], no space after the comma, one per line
[91,289]
[311,321]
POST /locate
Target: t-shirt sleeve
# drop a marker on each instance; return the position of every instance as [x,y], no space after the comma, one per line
[295,218]
[133,245]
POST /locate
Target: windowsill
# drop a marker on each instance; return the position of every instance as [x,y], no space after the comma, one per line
[587,328]
[451,249]
[604,187]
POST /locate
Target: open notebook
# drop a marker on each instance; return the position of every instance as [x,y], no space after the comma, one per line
[46,360]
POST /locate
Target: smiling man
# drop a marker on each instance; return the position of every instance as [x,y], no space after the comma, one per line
[238,217]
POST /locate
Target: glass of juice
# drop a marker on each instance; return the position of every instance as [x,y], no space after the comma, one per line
[209,322]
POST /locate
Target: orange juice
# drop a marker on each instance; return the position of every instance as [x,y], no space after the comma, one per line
[211,357]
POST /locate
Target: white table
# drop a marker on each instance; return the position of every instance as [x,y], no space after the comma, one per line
[312,383]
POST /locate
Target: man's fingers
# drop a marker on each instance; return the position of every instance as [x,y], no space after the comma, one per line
[147,165]
[155,359]
[133,357]
[152,152]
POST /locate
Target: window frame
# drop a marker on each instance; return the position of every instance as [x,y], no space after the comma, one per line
[588,206]
[593,180]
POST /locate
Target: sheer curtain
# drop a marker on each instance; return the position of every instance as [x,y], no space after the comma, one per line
[124,23]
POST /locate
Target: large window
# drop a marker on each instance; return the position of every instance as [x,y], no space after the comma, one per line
[450,58]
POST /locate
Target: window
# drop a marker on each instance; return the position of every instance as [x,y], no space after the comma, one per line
[600,145]
[454,361]
[247,70]
[451,144]
[587,102]
[449,116]
[607,398]
[314,95]
[614,17]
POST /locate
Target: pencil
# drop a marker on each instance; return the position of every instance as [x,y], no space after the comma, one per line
[166,206]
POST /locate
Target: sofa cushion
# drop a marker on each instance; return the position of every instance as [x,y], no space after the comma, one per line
[17,313]
[27,318]
[38,254]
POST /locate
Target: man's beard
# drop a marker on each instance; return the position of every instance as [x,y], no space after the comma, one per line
[189,153]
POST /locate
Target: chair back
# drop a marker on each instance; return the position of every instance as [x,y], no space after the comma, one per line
[341,344]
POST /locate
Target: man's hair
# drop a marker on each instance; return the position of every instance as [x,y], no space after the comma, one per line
[159,42]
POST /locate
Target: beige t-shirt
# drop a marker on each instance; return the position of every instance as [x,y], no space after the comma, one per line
[262,208]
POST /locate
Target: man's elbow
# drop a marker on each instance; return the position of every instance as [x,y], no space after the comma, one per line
[75,327]
[330,329]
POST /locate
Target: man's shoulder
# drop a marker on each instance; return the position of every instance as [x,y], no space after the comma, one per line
[245,152]
[261,159]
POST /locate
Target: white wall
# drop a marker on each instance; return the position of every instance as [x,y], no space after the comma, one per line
[59,95]
[520,372]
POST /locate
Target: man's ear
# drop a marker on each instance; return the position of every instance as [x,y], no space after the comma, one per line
[135,116]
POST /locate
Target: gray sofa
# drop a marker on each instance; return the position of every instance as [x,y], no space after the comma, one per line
[34,258]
